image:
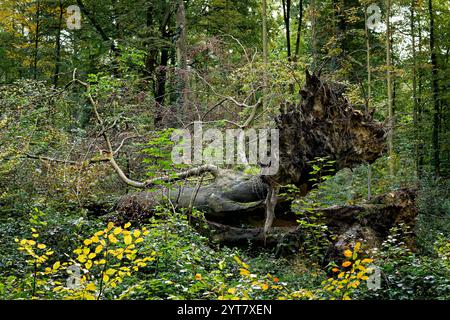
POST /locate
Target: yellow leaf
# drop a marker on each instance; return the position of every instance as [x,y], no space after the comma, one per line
[35,235]
[127,239]
[139,240]
[127,225]
[231,290]
[56,265]
[95,239]
[82,258]
[99,248]
[357,246]
[348,253]
[340,275]
[91,255]
[367,261]
[346,264]
[41,246]
[112,238]
[88,264]
[91,287]
[87,242]
[244,272]
[110,226]
[117,230]
[99,233]
[110,271]
[105,277]
[198,277]
[265,286]
[136,233]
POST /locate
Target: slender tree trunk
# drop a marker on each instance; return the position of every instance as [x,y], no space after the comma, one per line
[161,77]
[419,94]
[183,80]
[369,98]
[299,30]
[161,74]
[390,137]
[36,39]
[313,33]
[58,45]
[436,109]
[414,88]
[287,25]
[265,51]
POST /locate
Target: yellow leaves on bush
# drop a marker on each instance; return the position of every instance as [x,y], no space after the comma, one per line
[345,264]
[348,253]
[119,252]
[198,277]
[357,246]
[365,261]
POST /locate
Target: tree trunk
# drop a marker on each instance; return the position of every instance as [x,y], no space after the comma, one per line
[299,30]
[58,45]
[435,82]
[389,89]
[183,76]
[312,8]
[36,38]
[287,25]
[265,51]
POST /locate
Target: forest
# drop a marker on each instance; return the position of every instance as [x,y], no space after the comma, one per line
[224,150]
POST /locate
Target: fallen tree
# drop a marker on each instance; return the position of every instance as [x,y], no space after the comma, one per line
[325,124]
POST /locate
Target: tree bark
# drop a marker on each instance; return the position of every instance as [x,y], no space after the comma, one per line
[436,104]
[58,45]
[299,30]
[389,89]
